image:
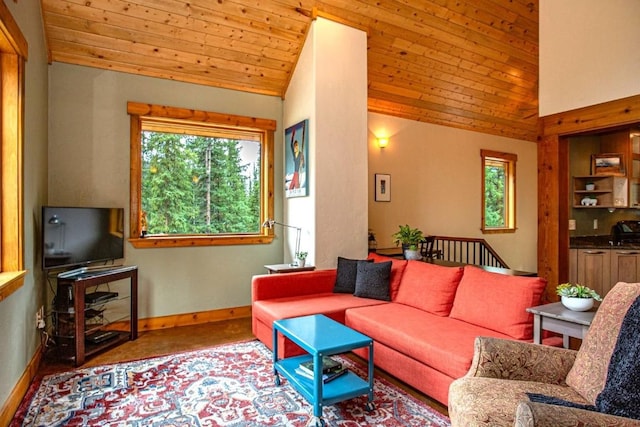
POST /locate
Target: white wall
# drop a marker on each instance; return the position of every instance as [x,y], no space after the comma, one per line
[588,53]
[89,166]
[329,86]
[436,179]
[19,338]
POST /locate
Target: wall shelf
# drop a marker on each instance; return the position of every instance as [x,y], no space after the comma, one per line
[610,191]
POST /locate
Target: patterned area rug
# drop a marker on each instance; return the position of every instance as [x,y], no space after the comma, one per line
[229,385]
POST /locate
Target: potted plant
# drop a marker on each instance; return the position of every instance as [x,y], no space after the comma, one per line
[577,297]
[410,238]
[301,258]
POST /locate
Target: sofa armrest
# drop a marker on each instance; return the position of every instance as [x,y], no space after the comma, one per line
[518,360]
[269,286]
[530,414]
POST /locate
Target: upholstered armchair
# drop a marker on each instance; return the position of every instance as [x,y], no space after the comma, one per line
[495,391]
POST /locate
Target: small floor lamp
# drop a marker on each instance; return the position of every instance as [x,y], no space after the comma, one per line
[269,223]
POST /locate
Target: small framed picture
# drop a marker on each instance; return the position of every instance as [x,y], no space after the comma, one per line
[382,187]
[607,164]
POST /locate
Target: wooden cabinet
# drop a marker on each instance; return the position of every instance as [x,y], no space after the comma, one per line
[601,269]
[625,266]
[594,269]
[609,191]
[626,142]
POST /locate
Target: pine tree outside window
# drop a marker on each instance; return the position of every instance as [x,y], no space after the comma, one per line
[199,178]
[498,192]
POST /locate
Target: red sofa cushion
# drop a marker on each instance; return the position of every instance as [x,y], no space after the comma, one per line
[443,343]
[498,301]
[397,270]
[429,287]
[329,303]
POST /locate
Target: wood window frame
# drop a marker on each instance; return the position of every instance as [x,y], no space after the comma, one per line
[138,113]
[13,54]
[510,192]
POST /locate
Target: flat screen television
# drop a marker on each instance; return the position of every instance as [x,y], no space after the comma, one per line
[81,236]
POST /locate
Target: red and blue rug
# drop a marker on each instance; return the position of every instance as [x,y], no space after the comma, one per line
[228,385]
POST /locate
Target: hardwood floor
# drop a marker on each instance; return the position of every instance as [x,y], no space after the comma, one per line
[166,341]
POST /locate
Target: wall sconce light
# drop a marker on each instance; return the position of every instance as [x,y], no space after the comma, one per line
[382,141]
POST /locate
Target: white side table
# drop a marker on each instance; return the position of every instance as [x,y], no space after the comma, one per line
[555,317]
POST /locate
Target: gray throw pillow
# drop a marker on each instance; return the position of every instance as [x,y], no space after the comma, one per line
[372,280]
[346,275]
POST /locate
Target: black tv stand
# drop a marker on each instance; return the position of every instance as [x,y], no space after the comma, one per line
[77,338]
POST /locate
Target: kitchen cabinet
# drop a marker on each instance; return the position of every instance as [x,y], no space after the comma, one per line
[626,142]
[594,269]
[625,265]
[601,269]
[609,191]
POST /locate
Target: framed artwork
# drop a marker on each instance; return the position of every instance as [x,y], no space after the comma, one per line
[383,188]
[607,164]
[296,177]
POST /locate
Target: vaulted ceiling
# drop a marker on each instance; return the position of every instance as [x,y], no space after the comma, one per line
[470,64]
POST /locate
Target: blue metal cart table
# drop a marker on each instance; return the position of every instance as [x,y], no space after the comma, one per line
[320,336]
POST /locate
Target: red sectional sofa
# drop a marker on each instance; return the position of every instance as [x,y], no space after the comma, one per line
[425,334]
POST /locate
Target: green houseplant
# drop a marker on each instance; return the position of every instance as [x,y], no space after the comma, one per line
[410,238]
[577,297]
[301,258]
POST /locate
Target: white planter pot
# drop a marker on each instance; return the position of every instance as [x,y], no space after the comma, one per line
[577,304]
[409,254]
[301,262]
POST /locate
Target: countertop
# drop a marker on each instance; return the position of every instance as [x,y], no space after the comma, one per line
[598,242]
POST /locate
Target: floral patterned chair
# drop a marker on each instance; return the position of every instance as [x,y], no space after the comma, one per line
[494,391]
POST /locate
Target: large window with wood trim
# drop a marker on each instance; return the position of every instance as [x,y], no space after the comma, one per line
[498,192]
[199,178]
[13,54]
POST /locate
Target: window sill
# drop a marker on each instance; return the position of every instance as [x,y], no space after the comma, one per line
[190,241]
[498,230]
[11,282]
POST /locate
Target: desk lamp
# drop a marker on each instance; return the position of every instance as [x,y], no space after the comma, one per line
[269,223]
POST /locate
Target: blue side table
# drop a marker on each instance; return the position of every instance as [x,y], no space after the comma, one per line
[320,336]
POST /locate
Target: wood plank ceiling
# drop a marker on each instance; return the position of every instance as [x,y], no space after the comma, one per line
[470,64]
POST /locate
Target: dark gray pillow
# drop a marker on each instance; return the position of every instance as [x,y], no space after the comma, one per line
[346,275]
[372,280]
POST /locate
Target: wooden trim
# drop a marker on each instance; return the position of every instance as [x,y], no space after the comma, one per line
[20,390]
[553,177]
[13,40]
[13,52]
[596,117]
[510,159]
[265,128]
[10,282]
[186,241]
[188,319]
[139,109]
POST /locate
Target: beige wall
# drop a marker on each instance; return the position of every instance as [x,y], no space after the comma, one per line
[19,338]
[588,52]
[436,185]
[334,215]
[89,166]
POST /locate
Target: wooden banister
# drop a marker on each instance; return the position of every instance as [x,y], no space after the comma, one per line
[468,251]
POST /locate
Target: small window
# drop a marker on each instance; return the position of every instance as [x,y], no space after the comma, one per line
[498,192]
[199,178]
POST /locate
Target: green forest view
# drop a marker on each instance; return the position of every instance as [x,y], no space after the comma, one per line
[200,185]
[495,196]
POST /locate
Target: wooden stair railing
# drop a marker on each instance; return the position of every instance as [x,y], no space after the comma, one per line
[468,251]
